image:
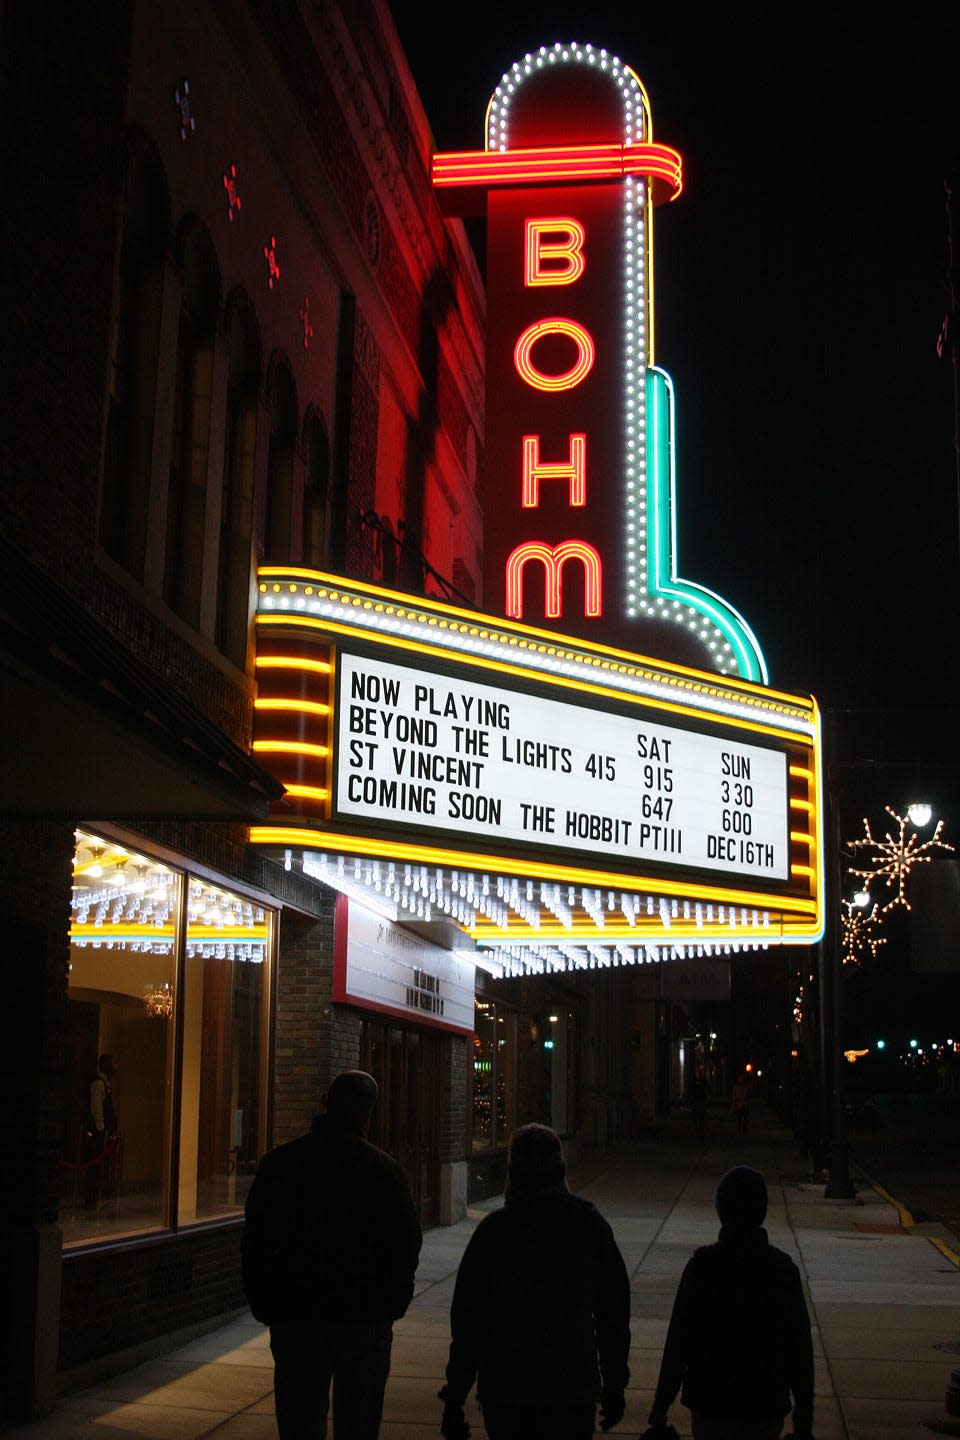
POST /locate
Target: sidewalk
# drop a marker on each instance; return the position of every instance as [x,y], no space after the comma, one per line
[882,1301]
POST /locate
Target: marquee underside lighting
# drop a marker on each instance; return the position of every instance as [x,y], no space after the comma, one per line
[529,925]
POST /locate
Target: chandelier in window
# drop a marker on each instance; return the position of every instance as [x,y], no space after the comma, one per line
[159,999]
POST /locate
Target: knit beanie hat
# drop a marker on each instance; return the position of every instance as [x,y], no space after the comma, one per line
[742,1198]
[534,1160]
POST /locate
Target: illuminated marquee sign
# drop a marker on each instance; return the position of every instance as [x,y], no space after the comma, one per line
[580,514]
[563,802]
[419,749]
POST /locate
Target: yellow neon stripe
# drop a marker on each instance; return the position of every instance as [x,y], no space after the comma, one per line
[467,860]
[293,662]
[798,931]
[289,747]
[782,933]
[576,685]
[802,870]
[308,792]
[806,805]
[137,930]
[227,932]
[308,707]
[801,838]
[677,930]
[141,930]
[427,610]
[801,772]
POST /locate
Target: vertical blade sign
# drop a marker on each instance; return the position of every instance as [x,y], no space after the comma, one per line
[579,525]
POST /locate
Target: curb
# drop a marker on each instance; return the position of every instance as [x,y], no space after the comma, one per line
[909,1223]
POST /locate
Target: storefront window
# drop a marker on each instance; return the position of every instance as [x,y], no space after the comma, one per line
[140,980]
[494,1076]
[483,1051]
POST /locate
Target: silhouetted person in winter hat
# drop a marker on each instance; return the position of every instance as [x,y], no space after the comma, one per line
[739,1339]
[541,1309]
[741,1199]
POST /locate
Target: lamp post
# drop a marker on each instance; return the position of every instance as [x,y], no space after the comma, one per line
[919,814]
[838,1186]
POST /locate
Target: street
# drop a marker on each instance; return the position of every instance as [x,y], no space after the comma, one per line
[913,1151]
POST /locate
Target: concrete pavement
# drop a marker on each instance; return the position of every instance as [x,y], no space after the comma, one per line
[882,1300]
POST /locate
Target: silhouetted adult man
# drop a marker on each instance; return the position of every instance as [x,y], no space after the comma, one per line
[329,1254]
[541,1309]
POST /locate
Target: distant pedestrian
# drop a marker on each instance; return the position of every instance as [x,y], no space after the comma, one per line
[541,1309]
[739,1345]
[740,1103]
[701,1091]
[330,1251]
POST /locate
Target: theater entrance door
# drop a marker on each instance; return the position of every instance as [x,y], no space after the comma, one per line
[405,1062]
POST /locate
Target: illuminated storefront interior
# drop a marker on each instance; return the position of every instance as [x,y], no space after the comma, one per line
[169,975]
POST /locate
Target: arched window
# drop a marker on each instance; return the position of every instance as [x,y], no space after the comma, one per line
[189,451]
[316,493]
[125,493]
[280,465]
[236,499]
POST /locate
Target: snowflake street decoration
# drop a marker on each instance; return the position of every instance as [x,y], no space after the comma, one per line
[894,856]
[859,932]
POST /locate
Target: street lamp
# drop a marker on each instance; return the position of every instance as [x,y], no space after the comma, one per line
[832,1060]
[920,814]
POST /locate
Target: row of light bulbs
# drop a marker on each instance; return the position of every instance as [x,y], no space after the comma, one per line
[574,53]
[345,608]
[423,892]
[518,961]
[635,195]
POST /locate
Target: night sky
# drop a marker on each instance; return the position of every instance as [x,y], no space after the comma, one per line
[800,287]
[801,284]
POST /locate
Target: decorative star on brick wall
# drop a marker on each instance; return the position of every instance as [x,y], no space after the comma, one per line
[270,255]
[306,322]
[182,99]
[233,194]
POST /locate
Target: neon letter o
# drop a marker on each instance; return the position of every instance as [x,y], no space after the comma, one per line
[554,325]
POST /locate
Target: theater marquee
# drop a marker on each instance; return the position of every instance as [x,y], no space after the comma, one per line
[563,802]
[429,751]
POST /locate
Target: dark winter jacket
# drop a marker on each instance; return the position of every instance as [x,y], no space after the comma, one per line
[739,1337]
[331,1232]
[541,1306]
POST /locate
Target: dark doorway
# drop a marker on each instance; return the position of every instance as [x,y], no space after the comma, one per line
[406,1065]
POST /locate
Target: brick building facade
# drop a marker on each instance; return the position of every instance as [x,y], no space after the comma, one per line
[237,330]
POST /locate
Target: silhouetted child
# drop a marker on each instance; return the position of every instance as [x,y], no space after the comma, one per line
[739,1338]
